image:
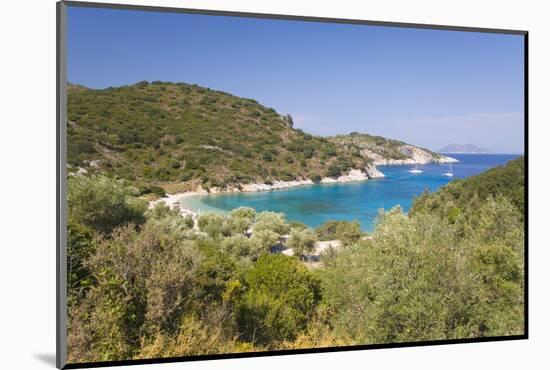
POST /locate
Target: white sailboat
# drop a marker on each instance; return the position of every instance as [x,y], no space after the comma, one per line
[450,172]
[415,169]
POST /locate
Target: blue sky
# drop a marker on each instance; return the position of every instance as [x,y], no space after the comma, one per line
[427,87]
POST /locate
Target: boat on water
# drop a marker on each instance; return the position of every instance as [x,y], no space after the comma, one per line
[415,169]
[450,172]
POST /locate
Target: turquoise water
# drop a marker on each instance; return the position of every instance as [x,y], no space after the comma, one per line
[315,204]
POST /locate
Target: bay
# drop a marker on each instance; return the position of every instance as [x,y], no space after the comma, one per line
[315,204]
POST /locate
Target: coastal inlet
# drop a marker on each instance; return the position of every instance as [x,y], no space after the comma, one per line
[314,204]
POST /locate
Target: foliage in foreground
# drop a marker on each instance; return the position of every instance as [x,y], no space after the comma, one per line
[146,284]
[279,299]
[347,232]
[103,203]
[417,279]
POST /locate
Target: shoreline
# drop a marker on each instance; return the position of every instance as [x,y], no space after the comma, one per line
[356,175]
[411,161]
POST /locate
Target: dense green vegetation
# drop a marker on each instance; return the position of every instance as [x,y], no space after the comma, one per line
[160,132]
[146,283]
[347,232]
[419,279]
[164,136]
[280,297]
[469,194]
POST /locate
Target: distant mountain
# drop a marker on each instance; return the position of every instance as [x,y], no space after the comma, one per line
[464,148]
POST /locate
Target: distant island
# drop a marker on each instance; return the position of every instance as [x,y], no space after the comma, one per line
[464,149]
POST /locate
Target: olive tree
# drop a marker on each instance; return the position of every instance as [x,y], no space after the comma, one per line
[302,241]
[103,203]
[271,221]
[265,239]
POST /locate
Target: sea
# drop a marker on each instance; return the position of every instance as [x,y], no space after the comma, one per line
[313,205]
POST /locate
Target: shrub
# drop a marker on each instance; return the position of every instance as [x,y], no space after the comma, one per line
[80,247]
[144,281]
[316,179]
[189,222]
[142,84]
[345,231]
[216,225]
[241,246]
[330,151]
[191,164]
[148,188]
[280,297]
[334,170]
[241,219]
[195,337]
[302,241]
[103,203]
[172,220]
[273,221]
[297,225]
[289,120]
[186,176]
[265,239]
[243,212]
[398,283]
[348,232]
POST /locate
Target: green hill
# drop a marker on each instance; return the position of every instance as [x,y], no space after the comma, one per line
[180,136]
[385,147]
[468,194]
[174,132]
[381,149]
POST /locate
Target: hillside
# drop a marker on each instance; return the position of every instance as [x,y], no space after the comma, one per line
[468,194]
[382,151]
[183,137]
[466,149]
